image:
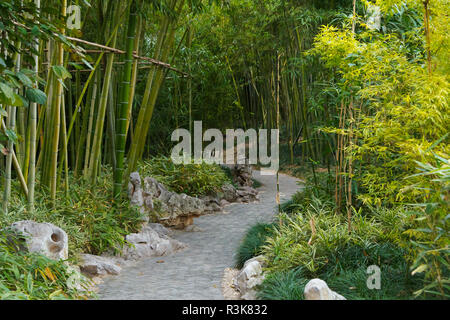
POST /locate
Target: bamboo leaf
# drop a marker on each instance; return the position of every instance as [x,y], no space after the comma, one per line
[61,72]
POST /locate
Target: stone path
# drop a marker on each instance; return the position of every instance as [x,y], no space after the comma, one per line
[196,272]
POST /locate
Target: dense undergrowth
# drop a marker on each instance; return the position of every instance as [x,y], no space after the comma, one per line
[311,240]
[32,276]
[86,213]
[93,222]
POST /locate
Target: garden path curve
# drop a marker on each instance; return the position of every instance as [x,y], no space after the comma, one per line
[196,272]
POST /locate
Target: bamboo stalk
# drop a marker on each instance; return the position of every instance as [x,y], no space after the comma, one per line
[57,116]
[122,119]
[98,133]
[32,125]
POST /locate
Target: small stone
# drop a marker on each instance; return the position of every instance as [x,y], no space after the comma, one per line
[250,277]
[193,228]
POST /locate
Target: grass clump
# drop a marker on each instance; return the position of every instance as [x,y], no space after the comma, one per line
[193,179]
[251,244]
[283,285]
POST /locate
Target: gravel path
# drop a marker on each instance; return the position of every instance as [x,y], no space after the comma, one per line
[196,272]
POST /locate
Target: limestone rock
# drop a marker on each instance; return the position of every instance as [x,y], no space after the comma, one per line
[160,229]
[149,243]
[135,192]
[229,192]
[179,210]
[242,175]
[317,289]
[250,277]
[98,266]
[44,238]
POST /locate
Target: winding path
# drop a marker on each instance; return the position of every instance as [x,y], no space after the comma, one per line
[196,272]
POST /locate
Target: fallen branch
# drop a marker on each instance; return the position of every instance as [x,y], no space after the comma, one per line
[118,51]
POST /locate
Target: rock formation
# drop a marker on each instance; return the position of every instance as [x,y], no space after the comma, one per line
[44,238]
[249,278]
[178,210]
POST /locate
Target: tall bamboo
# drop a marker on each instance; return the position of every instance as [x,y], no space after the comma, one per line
[122,117]
[56,113]
[98,133]
[32,125]
[165,40]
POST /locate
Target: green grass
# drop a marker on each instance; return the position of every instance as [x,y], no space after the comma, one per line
[283,285]
[252,243]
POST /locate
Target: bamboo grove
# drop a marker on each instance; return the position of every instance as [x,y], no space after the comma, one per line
[66,103]
[108,92]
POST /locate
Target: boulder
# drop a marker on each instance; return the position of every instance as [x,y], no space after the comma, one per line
[92,265]
[229,192]
[250,277]
[317,289]
[242,175]
[178,210]
[135,192]
[44,238]
[149,243]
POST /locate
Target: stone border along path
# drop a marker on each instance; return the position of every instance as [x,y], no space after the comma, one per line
[196,272]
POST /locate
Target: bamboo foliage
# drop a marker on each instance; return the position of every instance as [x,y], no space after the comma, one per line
[98,133]
[165,40]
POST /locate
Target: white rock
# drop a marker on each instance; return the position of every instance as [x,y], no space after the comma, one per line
[98,266]
[149,243]
[250,277]
[317,289]
[44,238]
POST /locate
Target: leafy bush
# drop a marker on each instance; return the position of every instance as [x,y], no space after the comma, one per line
[403,109]
[192,179]
[252,242]
[431,238]
[33,276]
[397,240]
[312,191]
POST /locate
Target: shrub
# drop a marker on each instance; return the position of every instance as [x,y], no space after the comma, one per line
[192,179]
[352,284]
[252,242]
[431,237]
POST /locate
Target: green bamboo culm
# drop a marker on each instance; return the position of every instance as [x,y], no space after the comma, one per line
[122,114]
[32,125]
[164,43]
[51,148]
[9,159]
[98,133]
